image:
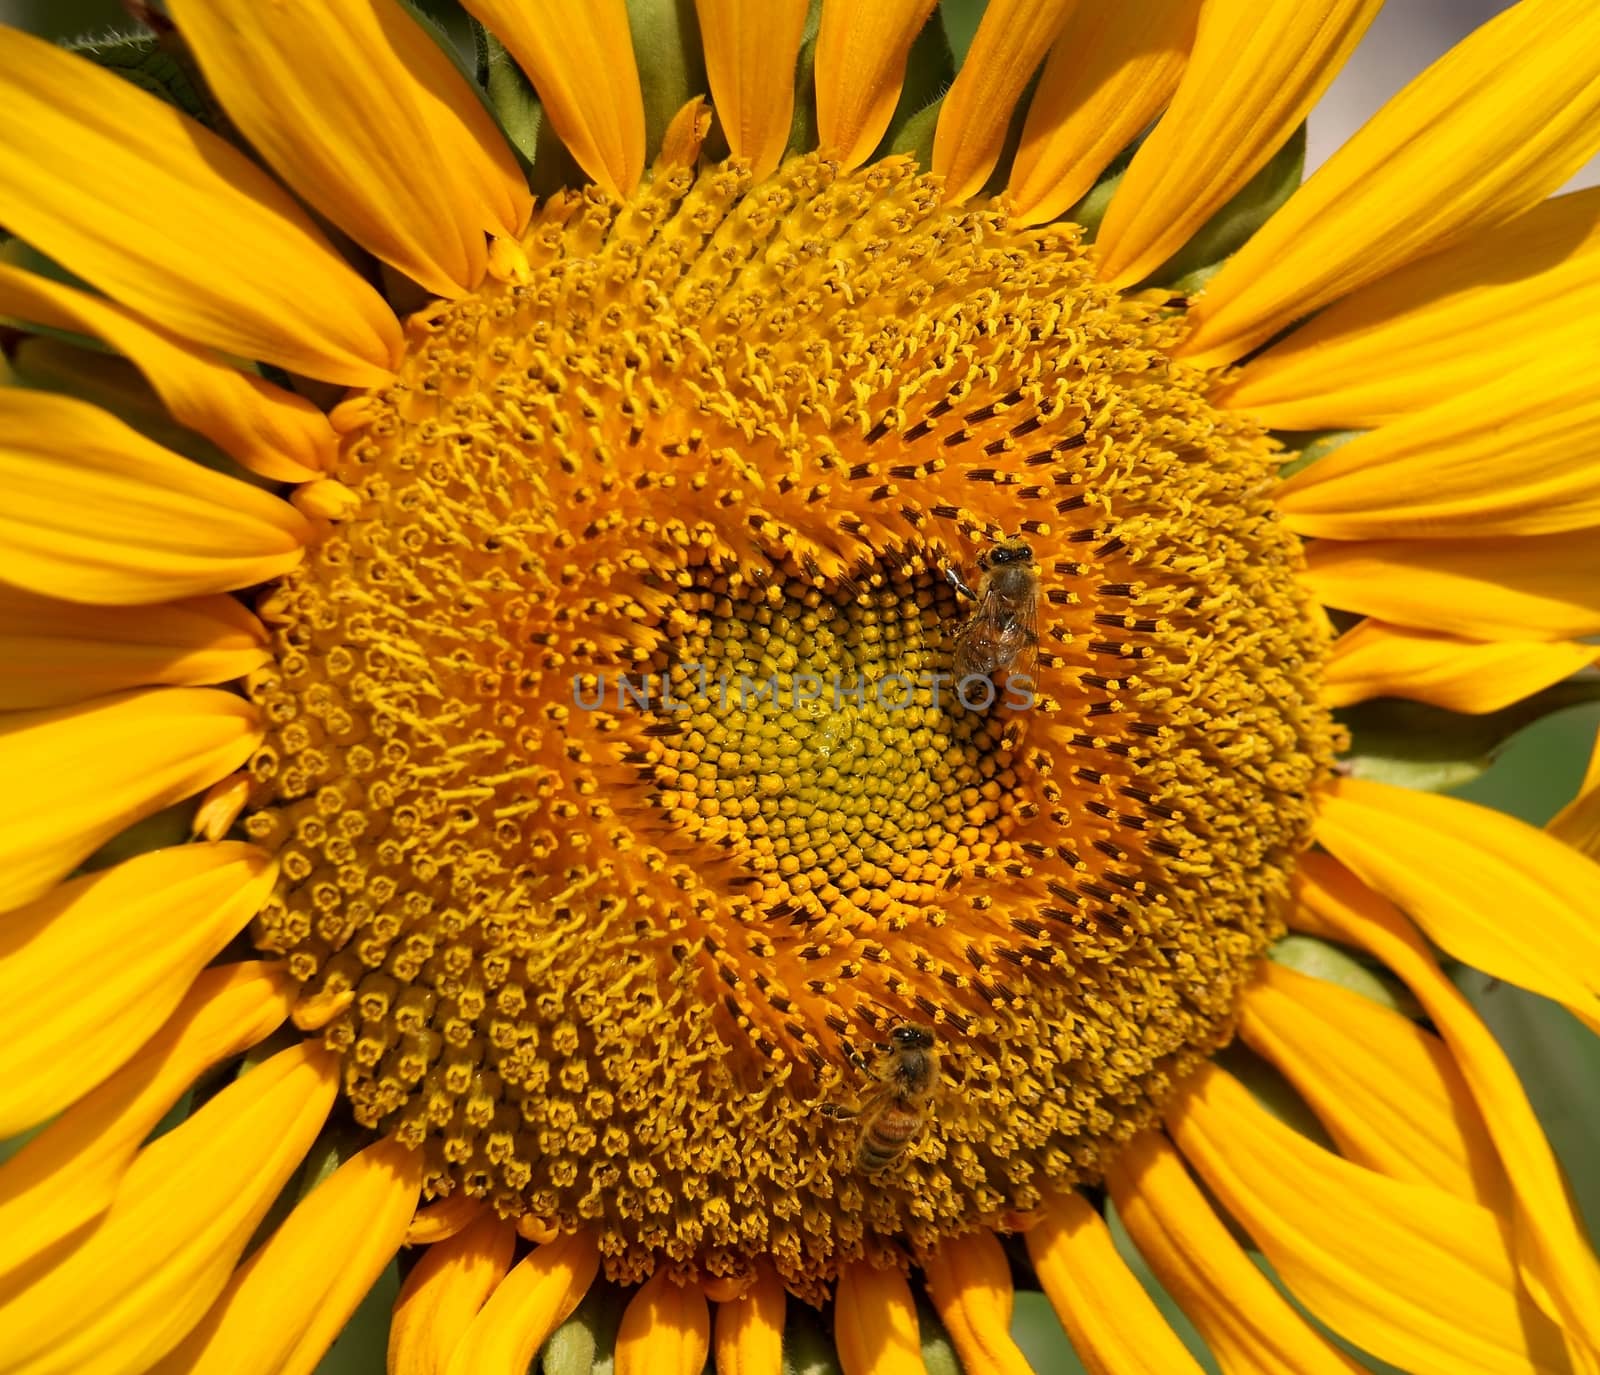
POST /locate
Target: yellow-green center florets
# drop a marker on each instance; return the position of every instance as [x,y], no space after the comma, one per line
[590,923]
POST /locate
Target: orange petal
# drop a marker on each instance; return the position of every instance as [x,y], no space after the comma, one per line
[969,1281]
[1011,42]
[1110,72]
[1257,68]
[1510,458]
[875,1322]
[1387,1091]
[1457,869]
[1415,1276]
[59,652]
[131,1289]
[1110,1318]
[95,512]
[1541,587]
[1244,1320]
[1444,325]
[181,226]
[666,1329]
[269,430]
[444,1293]
[1488,131]
[69,1172]
[78,775]
[282,1309]
[1557,1263]
[580,60]
[360,110]
[749,1329]
[527,1306]
[751,47]
[90,971]
[1374,659]
[861,58]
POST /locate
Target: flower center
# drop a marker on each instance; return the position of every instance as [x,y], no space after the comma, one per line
[619,782]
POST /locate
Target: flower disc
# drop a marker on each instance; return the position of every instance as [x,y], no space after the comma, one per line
[617,791]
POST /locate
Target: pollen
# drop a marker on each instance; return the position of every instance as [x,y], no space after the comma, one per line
[614,763]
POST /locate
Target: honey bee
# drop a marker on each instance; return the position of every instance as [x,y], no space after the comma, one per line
[900,1101]
[1005,625]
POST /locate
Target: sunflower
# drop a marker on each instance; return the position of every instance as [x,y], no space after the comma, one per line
[485,558]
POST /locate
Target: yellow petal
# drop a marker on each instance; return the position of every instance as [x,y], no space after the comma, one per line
[875,1322]
[528,1305]
[1245,1321]
[443,1293]
[1413,1275]
[666,1329]
[1541,587]
[1110,72]
[749,1329]
[179,225]
[269,430]
[68,1173]
[59,652]
[1491,129]
[751,47]
[359,110]
[1437,328]
[860,67]
[1493,891]
[1257,68]
[1114,1326]
[285,1305]
[1373,659]
[444,1219]
[78,775]
[1578,823]
[1558,1265]
[580,60]
[88,972]
[135,1284]
[1010,43]
[969,1281]
[1387,1091]
[95,512]
[1511,458]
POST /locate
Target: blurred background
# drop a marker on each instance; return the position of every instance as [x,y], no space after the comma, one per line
[1532,778]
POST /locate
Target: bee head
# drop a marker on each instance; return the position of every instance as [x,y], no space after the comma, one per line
[1011,551]
[910,1037]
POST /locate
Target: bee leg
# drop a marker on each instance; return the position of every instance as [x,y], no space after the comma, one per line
[952,575]
[838,1112]
[856,1058]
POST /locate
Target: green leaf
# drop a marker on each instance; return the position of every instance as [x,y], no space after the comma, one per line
[1335,965]
[1310,446]
[1226,232]
[510,95]
[587,1340]
[1414,745]
[916,135]
[960,19]
[938,1351]
[1036,1329]
[672,69]
[157,63]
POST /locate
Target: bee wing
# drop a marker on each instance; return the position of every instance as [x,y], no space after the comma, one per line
[979,636]
[1019,639]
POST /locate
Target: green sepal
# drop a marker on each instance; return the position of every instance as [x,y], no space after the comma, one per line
[1307,446]
[1227,231]
[508,93]
[915,136]
[929,72]
[1272,1091]
[1037,1332]
[1091,209]
[585,1343]
[807,1347]
[432,21]
[672,69]
[1335,965]
[960,19]
[1415,745]
[803,126]
[938,1351]
[156,63]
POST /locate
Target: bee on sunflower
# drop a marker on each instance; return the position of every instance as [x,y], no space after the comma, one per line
[378,428]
